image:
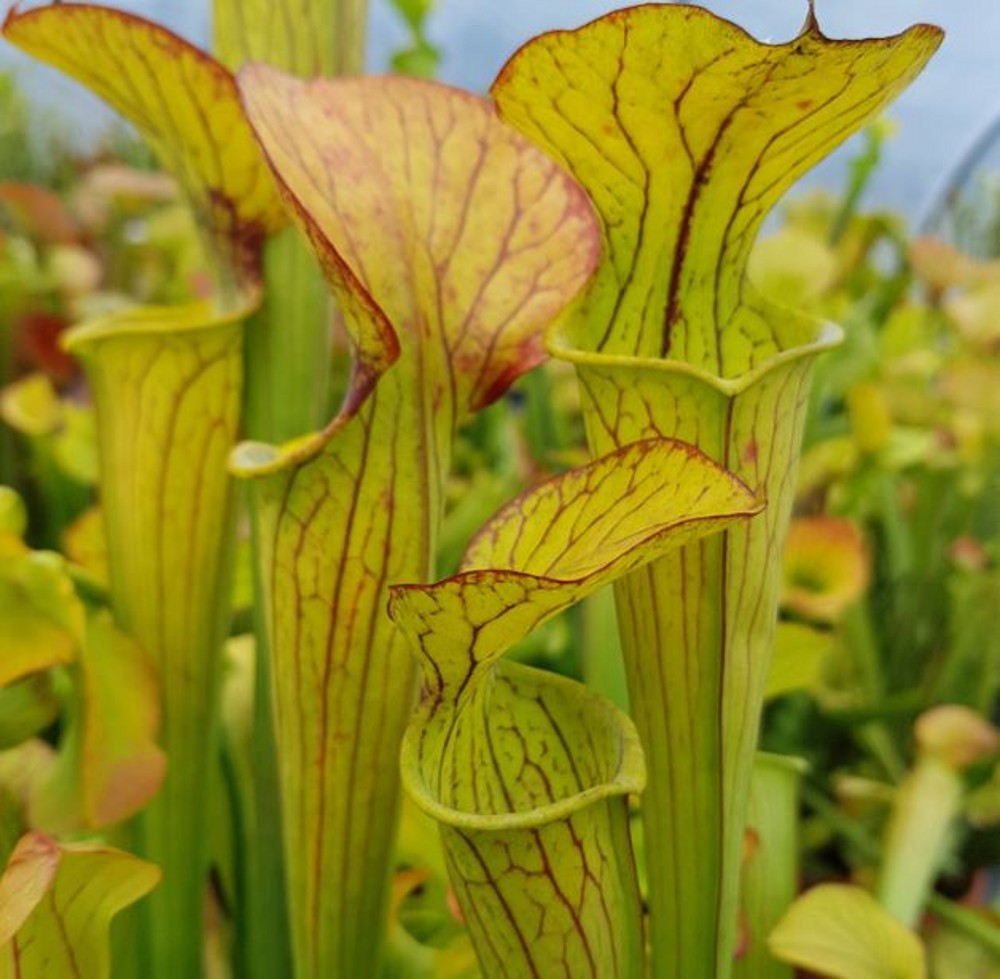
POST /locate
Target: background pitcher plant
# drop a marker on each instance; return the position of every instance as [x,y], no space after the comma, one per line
[167,384]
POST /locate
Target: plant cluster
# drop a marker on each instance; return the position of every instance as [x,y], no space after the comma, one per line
[251,589]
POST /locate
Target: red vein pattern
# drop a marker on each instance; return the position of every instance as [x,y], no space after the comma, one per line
[698,628]
[167,386]
[685,131]
[449,243]
[526,772]
[57,903]
[183,102]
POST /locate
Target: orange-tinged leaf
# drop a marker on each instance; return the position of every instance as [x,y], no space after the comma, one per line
[109,765]
[685,130]
[26,879]
[183,102]
[57,903]
[439,229]
[39,213]
[826,567]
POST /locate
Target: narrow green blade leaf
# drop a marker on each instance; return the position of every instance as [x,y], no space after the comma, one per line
[41,619]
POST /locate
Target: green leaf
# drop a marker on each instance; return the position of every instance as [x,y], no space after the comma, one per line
[799,653]
[56,906]
[771,871]
[27,707]
[13,513]
[41,619]
[840,931]
[31,406]
[414,12]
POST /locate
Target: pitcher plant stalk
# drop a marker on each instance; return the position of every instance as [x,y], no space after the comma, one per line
[289,346]
[449,243]
[289,341]
[528,773]
[167,385]
[685,131]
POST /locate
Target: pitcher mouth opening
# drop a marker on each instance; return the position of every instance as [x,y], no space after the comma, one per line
[808,337]
[622,769]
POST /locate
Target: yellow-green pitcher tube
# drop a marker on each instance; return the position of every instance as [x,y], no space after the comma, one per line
[527,772]
[334,530]
[698,626]
[545,889]
[166,385]
[685,131]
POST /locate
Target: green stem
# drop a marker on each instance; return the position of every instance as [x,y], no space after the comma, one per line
[859,635]
[927,803]
[264,938]
[601,648]
[968,922]
[770,877]
[965,920]
[288,346]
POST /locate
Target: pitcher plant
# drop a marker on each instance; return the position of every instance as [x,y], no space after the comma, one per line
[449,243]
[528,773]
[167,384]
[685,131]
